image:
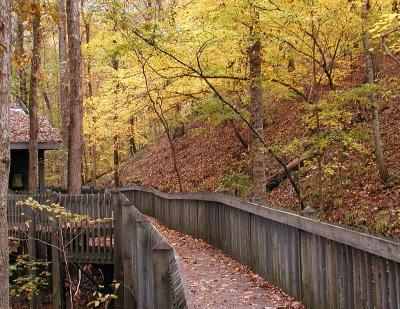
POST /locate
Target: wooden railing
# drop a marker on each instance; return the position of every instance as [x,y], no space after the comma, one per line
[323,265]
[84,243]
[148,265]
[145,265]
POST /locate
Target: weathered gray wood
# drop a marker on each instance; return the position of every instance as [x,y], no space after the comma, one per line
[98,229]
[349,278]
[363,280]
[377,283]
[356,278]
[397,271]
[32,248]
[334,274]
[322,270]
[379,246]
[340,270]
[161,255]
[306,267]
[384,283]
[269,266]
[141,263]
[331,274]
[295,262]
[127,255]
[118,265]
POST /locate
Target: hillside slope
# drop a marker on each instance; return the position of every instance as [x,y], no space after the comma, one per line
[205,155]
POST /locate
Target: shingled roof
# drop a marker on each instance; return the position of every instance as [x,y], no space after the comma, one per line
[19,129]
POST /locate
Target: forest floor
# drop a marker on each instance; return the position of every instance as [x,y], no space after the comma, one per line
[217,281]
[205,155]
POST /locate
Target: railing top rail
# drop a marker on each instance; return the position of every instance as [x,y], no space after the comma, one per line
[376,245]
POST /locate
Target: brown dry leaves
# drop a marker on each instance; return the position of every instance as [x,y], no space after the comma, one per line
[218,281]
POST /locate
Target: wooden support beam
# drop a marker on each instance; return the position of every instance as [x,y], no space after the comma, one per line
[141,262]
[127,255]
[32,246]
[118,264]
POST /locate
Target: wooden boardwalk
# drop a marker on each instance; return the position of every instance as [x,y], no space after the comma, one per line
[101,228]
[323,265]
[320,264]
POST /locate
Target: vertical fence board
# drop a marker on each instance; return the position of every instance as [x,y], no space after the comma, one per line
[331,275]
[349,278]
[377,283]
[384,283]
[356,278]
[397,270]
[118,269]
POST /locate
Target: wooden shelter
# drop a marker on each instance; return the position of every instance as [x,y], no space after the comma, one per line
[48,139]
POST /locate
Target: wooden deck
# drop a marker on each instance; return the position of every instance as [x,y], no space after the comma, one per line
[83,241]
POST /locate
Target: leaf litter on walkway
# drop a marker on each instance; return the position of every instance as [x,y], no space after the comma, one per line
[217,281]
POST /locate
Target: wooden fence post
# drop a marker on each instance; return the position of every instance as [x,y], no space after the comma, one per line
[32,245]
[161,255]
[127,255]
[118,266]
[141,266]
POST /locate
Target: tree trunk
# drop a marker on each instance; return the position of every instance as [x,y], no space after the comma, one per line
[33,100]
[395,6]
[20,55]
[94,165]
[85,166]
[115,66]
[256,110]
[93,153]
[75,98]
[63,86]
[86,22]
[116,162]
[5,50]
[369,63]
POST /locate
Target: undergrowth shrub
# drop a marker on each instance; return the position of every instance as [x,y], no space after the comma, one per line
[236,183]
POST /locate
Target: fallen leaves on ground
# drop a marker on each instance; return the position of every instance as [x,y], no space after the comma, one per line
[218,281]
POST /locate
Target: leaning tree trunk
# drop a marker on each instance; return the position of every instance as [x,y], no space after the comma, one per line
[5,42]
[132,140]
[369,62]
[75,98]
[63,86]
[33,98]
[256,110]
